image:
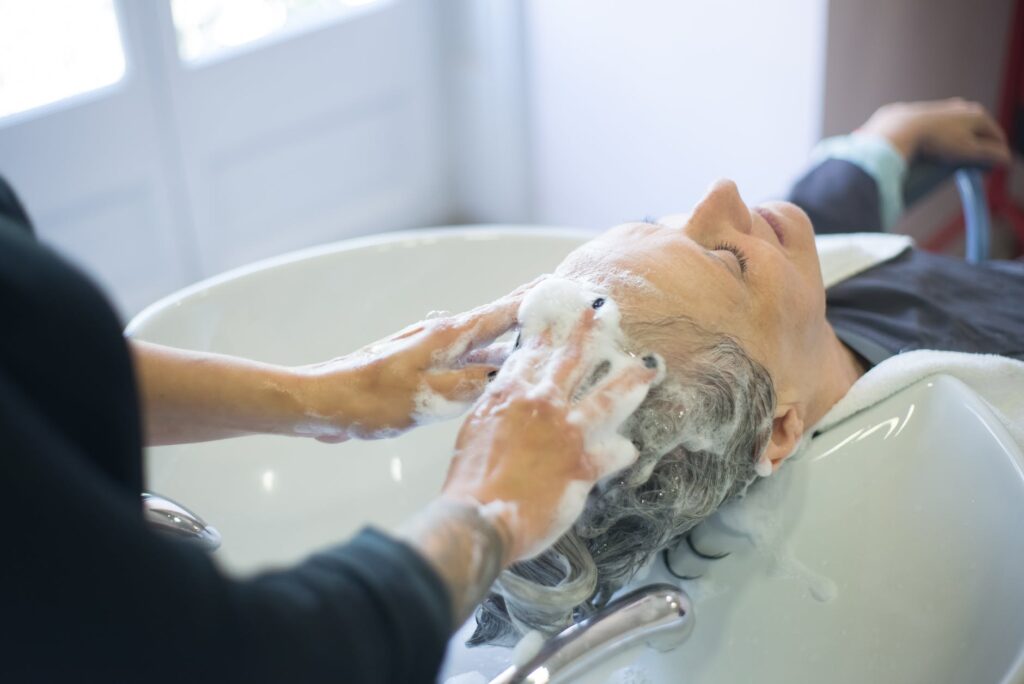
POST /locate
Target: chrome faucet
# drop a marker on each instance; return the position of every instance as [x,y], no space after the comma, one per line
[171,518]
[659,615]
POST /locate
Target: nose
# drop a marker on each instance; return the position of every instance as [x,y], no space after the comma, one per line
[722,208]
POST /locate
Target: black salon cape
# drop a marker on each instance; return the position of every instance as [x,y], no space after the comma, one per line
[917,300]
[89,594]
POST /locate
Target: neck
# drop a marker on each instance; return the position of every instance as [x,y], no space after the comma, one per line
[842,367]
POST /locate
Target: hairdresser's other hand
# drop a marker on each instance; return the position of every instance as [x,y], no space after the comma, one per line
[429,371]
[953,129]
[531,450]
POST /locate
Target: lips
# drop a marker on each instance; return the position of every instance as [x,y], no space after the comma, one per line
[773,220]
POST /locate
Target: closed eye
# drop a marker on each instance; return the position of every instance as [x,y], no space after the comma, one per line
[737,252]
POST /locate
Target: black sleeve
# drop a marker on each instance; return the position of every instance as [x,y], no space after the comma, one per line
[839,197]
[88,589]
[89,593]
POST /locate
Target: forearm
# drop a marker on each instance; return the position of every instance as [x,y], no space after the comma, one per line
[854,184]
[465,545]
[195,396]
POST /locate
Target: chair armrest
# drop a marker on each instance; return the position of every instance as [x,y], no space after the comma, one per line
[925,175]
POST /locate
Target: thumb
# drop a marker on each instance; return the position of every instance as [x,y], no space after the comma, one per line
[462,384]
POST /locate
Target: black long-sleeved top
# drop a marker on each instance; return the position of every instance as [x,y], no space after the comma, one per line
[917,300]
[88,593]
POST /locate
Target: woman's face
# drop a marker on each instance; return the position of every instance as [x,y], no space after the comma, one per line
[751,273]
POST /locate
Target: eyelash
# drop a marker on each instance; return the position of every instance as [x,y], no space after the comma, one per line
[740,256]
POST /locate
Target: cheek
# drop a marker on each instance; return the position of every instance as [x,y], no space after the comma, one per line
[791,300]
[800,282]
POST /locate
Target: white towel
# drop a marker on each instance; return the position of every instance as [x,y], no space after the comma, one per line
[846,255]
[996,379]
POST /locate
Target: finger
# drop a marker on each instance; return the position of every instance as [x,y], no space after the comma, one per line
[987,127]
[525,364]
[462,385]
[613,400]
[569,365]
[471,331]
[521,291]
[408,331]
[512,300]
[482,325]
[611,454]
[494,355]
[993,151]
[530,357]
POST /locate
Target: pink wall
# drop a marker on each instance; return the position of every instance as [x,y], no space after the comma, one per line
[885,50]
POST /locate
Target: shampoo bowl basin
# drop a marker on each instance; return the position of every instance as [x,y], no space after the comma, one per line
[890,552]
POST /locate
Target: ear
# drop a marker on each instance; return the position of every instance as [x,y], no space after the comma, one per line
[787,429]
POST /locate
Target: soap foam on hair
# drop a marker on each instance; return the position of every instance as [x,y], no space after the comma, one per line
[554,308]
[554,305]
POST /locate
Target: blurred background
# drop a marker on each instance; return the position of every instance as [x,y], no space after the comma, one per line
[158,142]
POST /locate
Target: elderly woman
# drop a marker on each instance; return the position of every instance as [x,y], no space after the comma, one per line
[757,351]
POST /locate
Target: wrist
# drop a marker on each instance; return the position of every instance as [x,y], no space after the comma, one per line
[904,141]
[499,516]
[463,544]
[324,400]
[899,125]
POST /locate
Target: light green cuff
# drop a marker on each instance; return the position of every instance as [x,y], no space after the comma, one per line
[877,158]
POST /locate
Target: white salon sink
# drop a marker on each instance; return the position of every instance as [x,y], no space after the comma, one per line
[275,499]
[890,552]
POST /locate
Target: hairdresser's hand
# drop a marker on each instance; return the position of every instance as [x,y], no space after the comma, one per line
[531,450]
[954,129]
[429,371]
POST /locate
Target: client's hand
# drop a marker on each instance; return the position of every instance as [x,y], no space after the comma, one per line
[429,371]
[532,449]
[953,129]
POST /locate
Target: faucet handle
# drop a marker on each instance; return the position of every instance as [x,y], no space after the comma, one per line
[171,518]
[660,615]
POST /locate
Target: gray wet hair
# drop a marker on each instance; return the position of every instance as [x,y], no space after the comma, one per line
[699,435]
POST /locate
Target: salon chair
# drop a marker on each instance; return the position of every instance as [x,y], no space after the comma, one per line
[925,175]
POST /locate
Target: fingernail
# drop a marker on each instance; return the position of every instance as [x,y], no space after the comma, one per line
[598,303]
[493,374]
[650,361]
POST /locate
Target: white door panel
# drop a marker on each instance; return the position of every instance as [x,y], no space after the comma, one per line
[94,182]
[325,134]
[185,169]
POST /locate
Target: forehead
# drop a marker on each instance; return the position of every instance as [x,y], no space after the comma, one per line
[656,271]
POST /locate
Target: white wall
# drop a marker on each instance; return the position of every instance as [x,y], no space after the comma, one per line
[636,107]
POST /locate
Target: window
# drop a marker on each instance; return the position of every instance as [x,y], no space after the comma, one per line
[53,49]
[208,27]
